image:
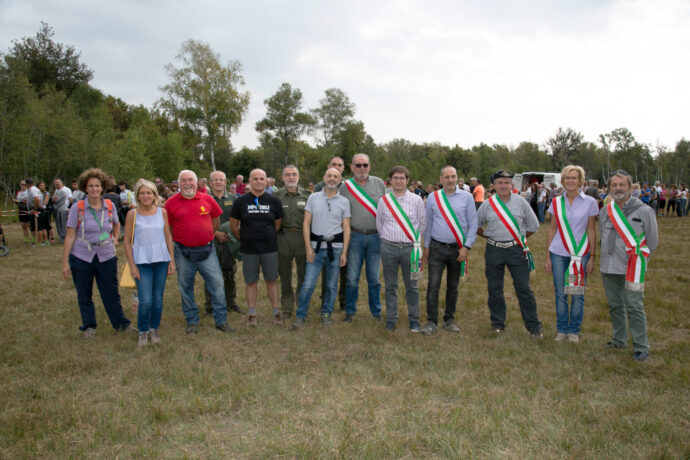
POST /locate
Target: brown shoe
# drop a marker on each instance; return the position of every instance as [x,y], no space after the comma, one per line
[251,321]
[277,319]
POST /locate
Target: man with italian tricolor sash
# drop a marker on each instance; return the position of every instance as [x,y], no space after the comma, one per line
[628,237]
[400,221]
[571,247]
[506,221]
[364,192]
[451,230]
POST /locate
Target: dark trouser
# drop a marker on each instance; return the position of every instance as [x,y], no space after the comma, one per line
[230,290]
[290,247]
[61,222]
[341,286]
[105,273]
[394,256]
[442,256]
[495,260]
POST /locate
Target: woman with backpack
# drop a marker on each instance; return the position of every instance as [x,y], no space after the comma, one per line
[89,252]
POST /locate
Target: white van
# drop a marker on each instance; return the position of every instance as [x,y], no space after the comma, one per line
[526,178]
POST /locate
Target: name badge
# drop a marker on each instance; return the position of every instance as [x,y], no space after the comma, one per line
[103,236]
[301,203]
[227,203]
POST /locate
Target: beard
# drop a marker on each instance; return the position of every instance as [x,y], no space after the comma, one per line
[187,192]
[618,196]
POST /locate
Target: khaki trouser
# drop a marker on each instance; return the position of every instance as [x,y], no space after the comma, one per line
[290,247]
[627,312]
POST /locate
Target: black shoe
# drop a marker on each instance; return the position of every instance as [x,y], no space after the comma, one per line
[640,356]
[537,334]
[208,310]
[226,328]
[390,326]
[326,319]
[237,309]
[348,318]
[612,344]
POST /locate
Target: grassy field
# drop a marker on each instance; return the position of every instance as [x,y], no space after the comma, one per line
[351,390]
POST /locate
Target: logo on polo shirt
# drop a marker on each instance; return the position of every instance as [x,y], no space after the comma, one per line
[203,212]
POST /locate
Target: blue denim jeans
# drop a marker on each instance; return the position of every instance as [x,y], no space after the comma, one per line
[312,276]
[568,321]
[541,207]
[210,272]
[363,248]
[105,273]
[150,288]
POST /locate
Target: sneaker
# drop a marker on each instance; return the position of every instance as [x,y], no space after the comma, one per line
[277,319]
[612,344]
[390,326]
[89,333]
[192,329]
[143,339]
[573,338]
[537,334]
[640,356]
[154,337]
[429,328]
[560,337]
[348,318]
[286,314]
[414,326]
[236,309]
[326,319]
[498,330]
[298,323]
[450,326]
[129,328]
[225,328]
[251,321]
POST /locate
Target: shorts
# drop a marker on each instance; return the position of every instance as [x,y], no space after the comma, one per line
[44,221]
[267,262]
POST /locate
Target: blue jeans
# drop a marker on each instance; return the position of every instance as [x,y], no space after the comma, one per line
[312,276]
[567,322]
[541,207]
[210,272]
[150,288]
[83,274]
[363,248]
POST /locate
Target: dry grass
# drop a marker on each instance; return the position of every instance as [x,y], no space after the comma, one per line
[345,391]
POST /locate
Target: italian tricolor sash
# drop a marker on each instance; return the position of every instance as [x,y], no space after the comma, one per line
[361,196]
[453,223]
[408,229]
[575,274]
[637,249]
[511,224]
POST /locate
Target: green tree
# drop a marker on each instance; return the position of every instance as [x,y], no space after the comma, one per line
[204,95]
[563,146]
[47,63]
[335,110]
[284,124]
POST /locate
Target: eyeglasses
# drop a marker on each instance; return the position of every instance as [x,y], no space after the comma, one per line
[361,165]
[23,185]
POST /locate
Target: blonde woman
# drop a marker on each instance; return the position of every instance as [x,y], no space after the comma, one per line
[571,255]
[149,257]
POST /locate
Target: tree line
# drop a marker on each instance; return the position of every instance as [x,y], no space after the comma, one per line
[53,123]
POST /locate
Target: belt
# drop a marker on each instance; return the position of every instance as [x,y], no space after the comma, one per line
[365,232]
[288,229]
[502,244]
[448,245]
[397,244]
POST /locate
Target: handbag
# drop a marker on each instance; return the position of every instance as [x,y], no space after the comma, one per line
[127,280]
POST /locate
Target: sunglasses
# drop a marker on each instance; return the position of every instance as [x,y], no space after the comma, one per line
[361,165]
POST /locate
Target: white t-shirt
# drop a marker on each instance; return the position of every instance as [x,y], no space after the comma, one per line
[542,196]
[31,194]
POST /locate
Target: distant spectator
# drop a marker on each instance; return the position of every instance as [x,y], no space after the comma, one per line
[62,198]
[240,185]
[24,216]
[477,192]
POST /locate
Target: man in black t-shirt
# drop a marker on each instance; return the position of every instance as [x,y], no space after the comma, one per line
[255,219]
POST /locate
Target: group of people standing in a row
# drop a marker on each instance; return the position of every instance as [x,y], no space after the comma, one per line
[350,224]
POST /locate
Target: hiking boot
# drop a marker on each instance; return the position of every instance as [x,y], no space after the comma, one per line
[89,333]
[573,338]
[537,334]
[192,329]
[414,326]
[348,318]
[450,326]
[143,339]
[277,319]
[153,336]
[251,321]
[429,328]
[560,337]
[225,328]
[390,326]
[298,323]
[326,319]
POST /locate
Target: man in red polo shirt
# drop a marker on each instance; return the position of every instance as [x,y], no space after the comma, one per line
[194,217]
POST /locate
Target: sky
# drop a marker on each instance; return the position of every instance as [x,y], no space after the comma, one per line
[449,71]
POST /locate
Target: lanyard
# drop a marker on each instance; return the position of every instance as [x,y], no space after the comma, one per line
[100,223]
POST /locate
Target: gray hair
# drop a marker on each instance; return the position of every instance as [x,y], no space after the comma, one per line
[622,173]
[187,171]
[217,171]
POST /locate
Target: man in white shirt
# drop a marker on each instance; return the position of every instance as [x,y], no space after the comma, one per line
[62,199]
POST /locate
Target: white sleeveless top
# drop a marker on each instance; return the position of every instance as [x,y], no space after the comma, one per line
[149,239]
